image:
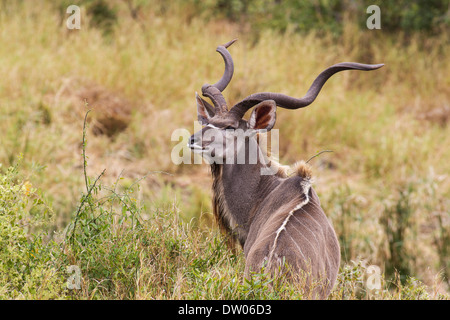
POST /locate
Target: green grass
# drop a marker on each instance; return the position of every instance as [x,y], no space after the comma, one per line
[121,255]
[384,187]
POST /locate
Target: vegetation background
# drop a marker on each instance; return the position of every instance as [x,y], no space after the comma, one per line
[104,196]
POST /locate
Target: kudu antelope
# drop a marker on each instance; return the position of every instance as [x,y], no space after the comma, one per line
[276,218]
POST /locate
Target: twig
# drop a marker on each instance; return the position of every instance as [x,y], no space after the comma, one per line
[318,154]
[89,189]
[84,150]
[82,203]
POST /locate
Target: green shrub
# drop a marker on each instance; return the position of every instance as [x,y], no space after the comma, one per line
[406,15]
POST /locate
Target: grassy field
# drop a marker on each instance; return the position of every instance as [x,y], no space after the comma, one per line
[143,228]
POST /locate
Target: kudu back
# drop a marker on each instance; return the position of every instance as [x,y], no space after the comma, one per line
[276,218]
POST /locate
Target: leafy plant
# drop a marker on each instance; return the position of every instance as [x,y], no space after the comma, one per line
[26,266]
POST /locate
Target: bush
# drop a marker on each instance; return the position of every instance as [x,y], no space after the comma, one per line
[404,15]
[26,267]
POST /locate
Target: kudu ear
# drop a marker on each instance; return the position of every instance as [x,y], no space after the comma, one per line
[263,115]
[205,111]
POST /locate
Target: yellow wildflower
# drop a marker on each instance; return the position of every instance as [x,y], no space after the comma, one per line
[26,188]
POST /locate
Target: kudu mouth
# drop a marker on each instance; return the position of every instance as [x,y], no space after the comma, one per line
[196,148]
[197,143]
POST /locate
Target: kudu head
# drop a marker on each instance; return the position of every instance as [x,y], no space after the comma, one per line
[221,122]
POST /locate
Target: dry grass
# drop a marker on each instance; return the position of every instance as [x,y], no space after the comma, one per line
[388,128]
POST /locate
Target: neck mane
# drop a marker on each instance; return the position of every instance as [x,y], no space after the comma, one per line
[221,211]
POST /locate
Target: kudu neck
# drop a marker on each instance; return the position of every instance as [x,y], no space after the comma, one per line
[238,190]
